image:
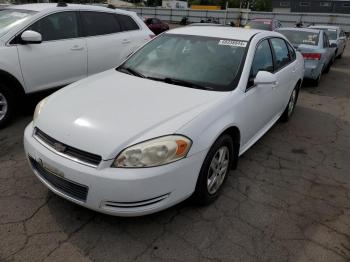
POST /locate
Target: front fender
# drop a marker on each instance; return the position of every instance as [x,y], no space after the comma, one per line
[205,129]
[9,63]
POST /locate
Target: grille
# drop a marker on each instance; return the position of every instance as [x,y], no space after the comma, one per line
[68,151]
[65,186]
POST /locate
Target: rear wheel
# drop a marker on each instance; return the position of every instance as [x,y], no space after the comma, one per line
[214,171]
[316,82]
[329,65]
[289,110]
[6,105]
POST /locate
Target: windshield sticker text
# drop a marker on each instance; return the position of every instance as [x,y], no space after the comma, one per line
[233,43]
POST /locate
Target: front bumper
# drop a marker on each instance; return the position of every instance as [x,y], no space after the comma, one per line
[115,191]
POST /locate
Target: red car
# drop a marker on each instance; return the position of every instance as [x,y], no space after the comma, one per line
[264,24]
[156,26]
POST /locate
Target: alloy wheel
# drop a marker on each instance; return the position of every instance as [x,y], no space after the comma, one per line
[292,101]
[218,169]
[3,106]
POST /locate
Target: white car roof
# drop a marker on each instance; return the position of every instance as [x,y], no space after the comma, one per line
[300,29]
[235,33]
[43,7]
[324,26]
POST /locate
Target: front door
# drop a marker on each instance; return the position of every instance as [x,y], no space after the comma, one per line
[60,59]
[259,105]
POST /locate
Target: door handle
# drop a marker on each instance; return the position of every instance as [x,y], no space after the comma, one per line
[77,48]
[126,41]
[274,84]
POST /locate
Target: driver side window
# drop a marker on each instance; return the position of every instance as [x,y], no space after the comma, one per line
[58,26]
[262,60]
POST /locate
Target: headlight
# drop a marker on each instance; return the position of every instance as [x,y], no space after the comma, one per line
[155,152]
[38,108]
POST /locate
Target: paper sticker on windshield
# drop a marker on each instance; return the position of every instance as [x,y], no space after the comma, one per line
[233,43]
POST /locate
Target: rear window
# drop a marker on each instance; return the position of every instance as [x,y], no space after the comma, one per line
[127,22]
[331,33]
[99,23]
[262,25]
[301,37]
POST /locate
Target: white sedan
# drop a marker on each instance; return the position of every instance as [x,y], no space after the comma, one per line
[167,124]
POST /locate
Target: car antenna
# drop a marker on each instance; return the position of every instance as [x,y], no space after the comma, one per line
[61,4]
[110,6]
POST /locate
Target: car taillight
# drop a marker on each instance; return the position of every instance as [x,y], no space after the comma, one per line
[151,36]
[312,56]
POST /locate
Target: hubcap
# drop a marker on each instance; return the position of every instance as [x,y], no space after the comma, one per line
[218,169]
[292,102]
[3,106]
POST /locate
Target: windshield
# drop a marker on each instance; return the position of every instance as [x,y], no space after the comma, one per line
[331,33]
[262,25]
[12,17]
[210,63]
[301,37]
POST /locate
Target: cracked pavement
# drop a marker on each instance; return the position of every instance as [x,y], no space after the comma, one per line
[289,200]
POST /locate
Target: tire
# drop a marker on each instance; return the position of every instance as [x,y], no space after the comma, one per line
[6,105]
[316,82]
[328,68]
[289,110]
[210,182]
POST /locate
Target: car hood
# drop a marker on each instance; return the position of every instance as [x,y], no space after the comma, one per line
[107,112]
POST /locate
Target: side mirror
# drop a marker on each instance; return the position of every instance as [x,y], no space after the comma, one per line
[265,78]
[31,37]
[333,45]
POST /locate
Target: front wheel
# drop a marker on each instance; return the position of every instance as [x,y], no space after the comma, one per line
[288,112]
[6,105]
[214,171]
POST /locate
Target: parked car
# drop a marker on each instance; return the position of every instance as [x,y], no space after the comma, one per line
[45,46]
[336,36]
[316,49]
[156,25]
[170,122]
[211,20]
[264,24]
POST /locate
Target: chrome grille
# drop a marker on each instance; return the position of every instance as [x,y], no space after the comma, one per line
[65,186]
[69,152]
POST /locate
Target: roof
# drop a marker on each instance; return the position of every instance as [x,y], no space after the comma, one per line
[217,31]
[302,29]
[325,26]
[47,6]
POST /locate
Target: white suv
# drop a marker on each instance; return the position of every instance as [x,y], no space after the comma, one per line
[45,46]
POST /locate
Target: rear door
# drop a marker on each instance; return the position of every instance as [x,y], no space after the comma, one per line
[137,35]
[328,51]
[106,41]
[60,59]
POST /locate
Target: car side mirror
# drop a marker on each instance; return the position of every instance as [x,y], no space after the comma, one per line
[265,78]
[333,45]
[31,37]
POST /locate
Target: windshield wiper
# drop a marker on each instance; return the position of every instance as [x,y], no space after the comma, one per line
[130,71]
[180,82]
